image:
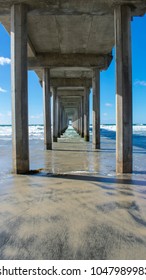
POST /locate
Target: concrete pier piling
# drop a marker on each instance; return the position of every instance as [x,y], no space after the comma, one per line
[55,115]
[47,109]
[86,114]
[96,108]
[19,88]
[123,89]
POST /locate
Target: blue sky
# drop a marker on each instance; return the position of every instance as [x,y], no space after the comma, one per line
[107,82]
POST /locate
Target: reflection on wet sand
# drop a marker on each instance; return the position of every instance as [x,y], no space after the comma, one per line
[76,208]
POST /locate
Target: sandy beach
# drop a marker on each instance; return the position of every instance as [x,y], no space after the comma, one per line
[76,207]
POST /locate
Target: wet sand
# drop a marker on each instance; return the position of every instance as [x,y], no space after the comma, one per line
[76,207]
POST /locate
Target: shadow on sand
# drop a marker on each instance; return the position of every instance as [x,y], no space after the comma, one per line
[89,178]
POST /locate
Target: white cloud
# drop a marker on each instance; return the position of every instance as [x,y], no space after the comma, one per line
[5,118]
[2,90]
[4,60]
[9,114]
[108,104]
[36,116]
[140,83]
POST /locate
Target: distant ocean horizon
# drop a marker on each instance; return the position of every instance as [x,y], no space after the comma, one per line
[36,131]
[41,124]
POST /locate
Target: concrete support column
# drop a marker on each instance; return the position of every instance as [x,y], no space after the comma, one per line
[47,109]
[123,89]
[96,108]
[19,88]
[64,121]
[61,120]
[86,114]
[59,117]
[78,119]
[74,121]
[55,119]
[82,116]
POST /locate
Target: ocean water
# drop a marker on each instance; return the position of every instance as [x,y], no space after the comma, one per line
[37,131]
[39,158]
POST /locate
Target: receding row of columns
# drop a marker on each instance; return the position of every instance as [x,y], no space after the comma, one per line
[81,117]
[81,123]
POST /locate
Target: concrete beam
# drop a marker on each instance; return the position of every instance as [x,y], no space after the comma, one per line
[70,60]
[31,46]
[102,8]
[67,12]
[70,97]
[71,82]
[75,106]
[70,93]
[68,104]
[75,89]
[69,108]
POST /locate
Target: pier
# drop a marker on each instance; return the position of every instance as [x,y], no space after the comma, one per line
[71,195]
[68,44]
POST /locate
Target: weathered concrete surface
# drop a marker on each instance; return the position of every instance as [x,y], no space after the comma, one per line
[71,91]
[86,113]
[55,115]
[100,7]
[19,88]
[69,40]
[69,60]
[47,109]
[123,89]
[71,82]
[62,16]
[96,108]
